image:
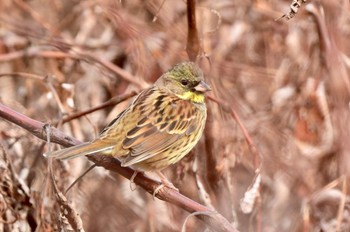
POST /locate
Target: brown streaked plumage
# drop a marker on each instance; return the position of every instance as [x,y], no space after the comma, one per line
[158,128]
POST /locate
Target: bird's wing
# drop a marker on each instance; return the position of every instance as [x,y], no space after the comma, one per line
[163,119]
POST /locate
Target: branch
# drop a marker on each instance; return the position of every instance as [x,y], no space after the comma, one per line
[210,217]
[192,37]
[36,127]
[224,106]
[76,55]
[112,102]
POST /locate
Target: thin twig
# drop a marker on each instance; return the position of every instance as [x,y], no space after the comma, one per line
[22,74]
[293,9]
[228,109]
[77,55]
[112,102]
[37,17]
[35,52]
[114,68]
[79,178]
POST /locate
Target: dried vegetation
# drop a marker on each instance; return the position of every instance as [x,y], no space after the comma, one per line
[287,80]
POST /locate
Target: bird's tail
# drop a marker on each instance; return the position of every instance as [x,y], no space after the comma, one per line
[79,150]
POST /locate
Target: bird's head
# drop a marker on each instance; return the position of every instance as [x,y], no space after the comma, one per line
[186,81]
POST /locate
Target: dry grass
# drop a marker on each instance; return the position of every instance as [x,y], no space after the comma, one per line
[287,80]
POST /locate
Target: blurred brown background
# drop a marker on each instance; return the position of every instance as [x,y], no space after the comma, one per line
[287,80]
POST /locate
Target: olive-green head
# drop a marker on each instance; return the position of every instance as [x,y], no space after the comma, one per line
[186,81]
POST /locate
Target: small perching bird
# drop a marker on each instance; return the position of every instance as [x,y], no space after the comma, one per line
[160,126]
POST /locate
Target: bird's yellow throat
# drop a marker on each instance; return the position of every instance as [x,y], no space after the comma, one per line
[192,96]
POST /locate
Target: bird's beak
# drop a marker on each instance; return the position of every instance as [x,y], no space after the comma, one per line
[202,87]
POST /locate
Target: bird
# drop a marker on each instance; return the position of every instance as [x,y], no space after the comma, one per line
[158,128]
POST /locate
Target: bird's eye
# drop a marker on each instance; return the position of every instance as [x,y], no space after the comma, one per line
[184,82]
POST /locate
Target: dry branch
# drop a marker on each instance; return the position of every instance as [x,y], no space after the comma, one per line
[193,46]
[111,102]
[210,217]
[76,55]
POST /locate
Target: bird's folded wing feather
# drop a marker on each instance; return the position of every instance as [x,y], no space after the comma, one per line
[163,120]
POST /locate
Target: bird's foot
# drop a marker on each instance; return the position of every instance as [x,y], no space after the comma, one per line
[165,183]
[132,183]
